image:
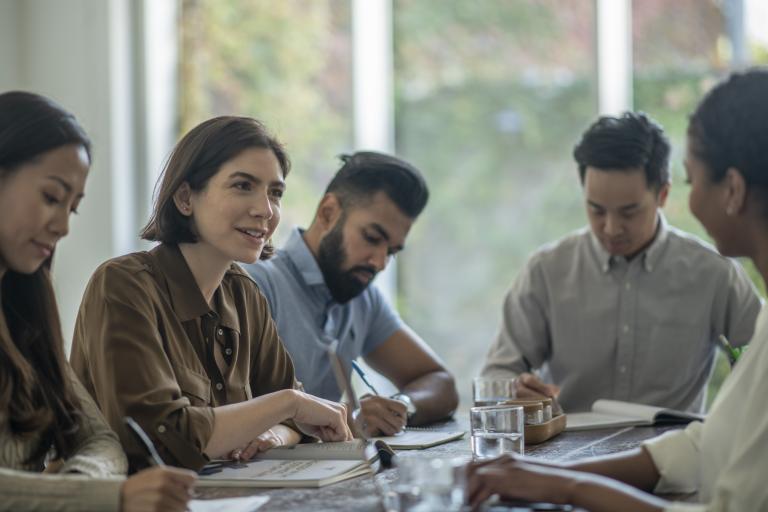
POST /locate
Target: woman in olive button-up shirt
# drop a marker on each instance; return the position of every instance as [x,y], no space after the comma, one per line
[179,337]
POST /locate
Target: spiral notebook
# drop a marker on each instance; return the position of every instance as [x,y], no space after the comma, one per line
[420,438]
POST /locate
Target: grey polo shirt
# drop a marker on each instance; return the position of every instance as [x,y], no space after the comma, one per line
[308,318]
[643,330]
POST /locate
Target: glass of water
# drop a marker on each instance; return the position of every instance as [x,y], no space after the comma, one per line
[496,430]
[427,484]
[491,391]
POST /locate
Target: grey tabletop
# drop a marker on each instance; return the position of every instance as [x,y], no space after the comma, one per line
[361,494]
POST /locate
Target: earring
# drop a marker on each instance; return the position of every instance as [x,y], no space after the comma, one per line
[730,211]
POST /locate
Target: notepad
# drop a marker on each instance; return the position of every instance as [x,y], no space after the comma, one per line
[303,465]
[615,413]
[419,439]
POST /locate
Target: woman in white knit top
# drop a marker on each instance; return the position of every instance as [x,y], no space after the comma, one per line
[48,422]
[724,459]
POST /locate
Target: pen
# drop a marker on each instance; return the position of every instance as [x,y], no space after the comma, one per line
[732,353]
[144,440]
[361,373]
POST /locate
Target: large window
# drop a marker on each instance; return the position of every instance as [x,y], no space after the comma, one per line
[489,98]
[287,63]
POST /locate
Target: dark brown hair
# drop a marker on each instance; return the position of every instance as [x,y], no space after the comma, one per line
[196,158]
[35,390]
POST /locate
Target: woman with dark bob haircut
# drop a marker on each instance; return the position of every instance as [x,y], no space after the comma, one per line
[724,459]
[48,422]
[179,337]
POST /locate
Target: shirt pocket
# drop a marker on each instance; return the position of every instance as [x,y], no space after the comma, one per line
[195,386]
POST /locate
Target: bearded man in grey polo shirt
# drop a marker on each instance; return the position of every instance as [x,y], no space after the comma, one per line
[318,289]
[629,308]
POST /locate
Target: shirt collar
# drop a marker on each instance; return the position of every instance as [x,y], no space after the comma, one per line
[186,298]
[298,251]
[650,256]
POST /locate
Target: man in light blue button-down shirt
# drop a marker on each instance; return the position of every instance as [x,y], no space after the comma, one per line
[629,308]
[318,290]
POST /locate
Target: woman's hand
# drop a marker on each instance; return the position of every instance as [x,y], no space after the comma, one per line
[279,435]
[321,418]
[512,477]
[157,489]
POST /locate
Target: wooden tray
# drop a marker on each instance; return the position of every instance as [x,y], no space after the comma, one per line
[535,434]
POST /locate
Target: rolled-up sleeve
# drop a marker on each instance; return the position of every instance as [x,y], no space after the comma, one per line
[119,350]
[676,457]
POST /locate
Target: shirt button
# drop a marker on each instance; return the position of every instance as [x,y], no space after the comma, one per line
[628,286]
[625,328]
[161,429]
[219,386]
[220,332]
[228,351]
[623,369]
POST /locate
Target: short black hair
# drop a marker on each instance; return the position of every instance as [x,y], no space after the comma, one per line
[729,127]
[621,143]
[365,173]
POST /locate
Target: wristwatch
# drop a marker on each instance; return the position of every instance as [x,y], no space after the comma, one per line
[410,407]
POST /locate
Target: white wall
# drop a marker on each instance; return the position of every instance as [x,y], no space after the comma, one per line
[77,52]
[8,50]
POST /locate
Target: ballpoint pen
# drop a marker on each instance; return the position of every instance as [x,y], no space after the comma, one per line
[732,353]
[362,375]
[144,440]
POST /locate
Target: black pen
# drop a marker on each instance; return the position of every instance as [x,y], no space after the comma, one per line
[144,440]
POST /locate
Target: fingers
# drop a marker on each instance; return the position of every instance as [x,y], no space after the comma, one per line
[383,415]
[528,385]
[156,489]
[323,418]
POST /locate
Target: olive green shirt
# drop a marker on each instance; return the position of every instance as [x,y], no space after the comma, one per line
[146,345]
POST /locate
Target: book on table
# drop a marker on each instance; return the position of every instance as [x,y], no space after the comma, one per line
[316,464]
[303,465]
[615,413]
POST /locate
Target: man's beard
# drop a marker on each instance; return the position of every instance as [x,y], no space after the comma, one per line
[342,284]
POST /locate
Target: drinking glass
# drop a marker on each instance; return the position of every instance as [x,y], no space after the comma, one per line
[491,391]
[497,430]
[427,484]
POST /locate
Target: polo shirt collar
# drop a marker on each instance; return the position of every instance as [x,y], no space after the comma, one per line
[651,254]
[298,251]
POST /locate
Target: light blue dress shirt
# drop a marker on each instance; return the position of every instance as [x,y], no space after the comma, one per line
[308,319]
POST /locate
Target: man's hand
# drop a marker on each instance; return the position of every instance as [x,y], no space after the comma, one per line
[528,385]
[382,416]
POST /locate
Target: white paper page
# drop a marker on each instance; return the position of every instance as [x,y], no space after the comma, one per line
[352,450]
[246,504]
[286,470]
[417,437]
[626,409]
[585,420]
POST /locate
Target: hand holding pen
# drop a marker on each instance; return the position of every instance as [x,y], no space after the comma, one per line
[382,415]
[161,488]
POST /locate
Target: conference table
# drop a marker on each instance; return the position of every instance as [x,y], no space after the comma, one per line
[361,494]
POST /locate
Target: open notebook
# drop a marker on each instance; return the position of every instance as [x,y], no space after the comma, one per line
[420,438]
[615,413]
[303,465]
